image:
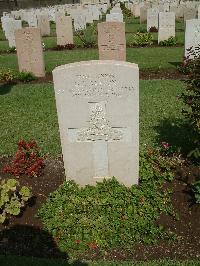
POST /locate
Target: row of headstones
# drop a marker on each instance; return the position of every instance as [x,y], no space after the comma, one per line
[144,10]
[63,25]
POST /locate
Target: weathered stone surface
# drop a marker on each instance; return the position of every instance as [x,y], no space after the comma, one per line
[43,24]
[98,114]
[114,17]
[143,14]
[64,30]
[189,13]
[166,26]
[111,41]
[29,51]
[152,18]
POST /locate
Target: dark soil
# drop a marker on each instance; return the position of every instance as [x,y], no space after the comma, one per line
[24,235]
[144,75]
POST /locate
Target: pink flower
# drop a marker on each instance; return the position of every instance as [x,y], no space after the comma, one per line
[165,145]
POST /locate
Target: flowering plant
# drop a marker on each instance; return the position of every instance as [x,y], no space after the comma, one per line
[27,160]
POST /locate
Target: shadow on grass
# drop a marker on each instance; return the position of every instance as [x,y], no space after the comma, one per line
[29,241]
[6,88]
[176,132]
[176,64]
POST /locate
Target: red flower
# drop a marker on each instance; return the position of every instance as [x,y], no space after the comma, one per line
[92,245]
[165,145]
[77,241]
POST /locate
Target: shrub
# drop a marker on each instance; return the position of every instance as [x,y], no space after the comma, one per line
[170,42]
[109,215]
[141,39]
[11,50]
[69,46]
[7,75]
[141,30]
[191,98]
[27,160]
[12,198]
[153,29]
[196,191]
[25,76]
[88,36]
[126,12]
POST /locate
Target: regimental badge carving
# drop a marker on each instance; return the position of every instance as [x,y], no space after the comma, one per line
[99,128]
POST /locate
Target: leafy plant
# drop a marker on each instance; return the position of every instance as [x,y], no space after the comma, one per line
[12,198]
[7,75]
[196,191]
[153,29]
[191,98]
[126,12]
[141,39]
[141,30]
[170,42]
[109,215]
[11,50]
[69,46]
[88,36]
[25,76]
[27,160]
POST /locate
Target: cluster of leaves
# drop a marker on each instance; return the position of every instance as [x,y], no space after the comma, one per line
[125,11]
[191,98]
[10,75]
[69,46]
[12,198]
[11,50]
[7,75]
[25,76]
[196,191]
[109,215]
[88,36]
[170,42]
[142,30]
[153,29]
[27,161]
[141,39]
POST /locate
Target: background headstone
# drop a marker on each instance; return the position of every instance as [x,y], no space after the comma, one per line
[166,26]
[64,30]
[29,51]
[192,35]
[112,41]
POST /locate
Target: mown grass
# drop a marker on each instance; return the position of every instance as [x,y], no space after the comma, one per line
[28,112]
[30,261]
[146,58]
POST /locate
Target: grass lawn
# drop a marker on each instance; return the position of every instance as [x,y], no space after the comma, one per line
[146,58]
[28,112]
[24,261]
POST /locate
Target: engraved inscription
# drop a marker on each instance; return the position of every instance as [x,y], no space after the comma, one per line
[101,85]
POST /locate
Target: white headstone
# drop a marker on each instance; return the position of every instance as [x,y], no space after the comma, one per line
[152,18]
[114,17]
[98,114]
[192,35]
[166,26]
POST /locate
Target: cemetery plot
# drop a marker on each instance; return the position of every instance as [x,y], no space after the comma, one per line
[95,106]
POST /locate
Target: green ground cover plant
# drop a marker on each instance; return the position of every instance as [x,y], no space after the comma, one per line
[110,215]
[170,42]
[13,198]
[191,98]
